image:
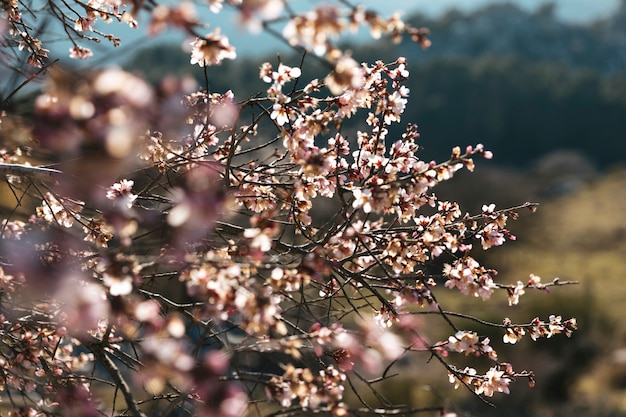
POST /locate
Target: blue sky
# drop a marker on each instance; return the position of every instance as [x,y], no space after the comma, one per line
[581,11]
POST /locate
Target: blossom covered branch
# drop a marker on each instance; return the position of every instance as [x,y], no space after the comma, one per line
[196,251]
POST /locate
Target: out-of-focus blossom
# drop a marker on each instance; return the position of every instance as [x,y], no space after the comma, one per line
[98,231]
[198,202]
[260,239]
[183,16]
[79,52]
[216,5]
[253,13]
[85,23]
[314,29]
[84,305]
[362,199]
[211,50]
[347,74]
[12,229]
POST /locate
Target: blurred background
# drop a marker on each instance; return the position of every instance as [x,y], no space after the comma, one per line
[542,85]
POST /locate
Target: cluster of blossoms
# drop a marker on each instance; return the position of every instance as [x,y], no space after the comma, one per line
[469,343]
[313,392]
[62,211]
[496,379]
[317,29]
[233,295]
[197,250]
[469,277]
[79,21]
[13,29]
[538,328]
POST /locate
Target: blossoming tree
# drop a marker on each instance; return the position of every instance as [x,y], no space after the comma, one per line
[194,252]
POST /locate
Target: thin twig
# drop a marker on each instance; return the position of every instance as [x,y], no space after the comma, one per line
[96,347]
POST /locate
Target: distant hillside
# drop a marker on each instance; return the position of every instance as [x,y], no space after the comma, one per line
[505,29]
[519,109]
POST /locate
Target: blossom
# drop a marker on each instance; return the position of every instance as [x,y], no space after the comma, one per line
[84,305]
[280,114]
[85,23]
[314,29]
[555,325]
[211,50]
[496,381]
[463,341]
[491,235]
[385,318]
[121,192]
[260,239]
[286,73]
[98,231]
[312,390]
[183,16]
[278,79]
[395,108]
[12,229]
[254,12]
[362,199]
[330,288]
[347,74]
[534,281]
[488,209]
[467,375]
[469,277]
[512,335]
[515,293]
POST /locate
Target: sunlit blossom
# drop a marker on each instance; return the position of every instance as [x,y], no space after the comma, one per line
[279,113]
[121,192]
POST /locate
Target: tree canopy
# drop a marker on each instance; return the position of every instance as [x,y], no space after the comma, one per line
[174,248]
